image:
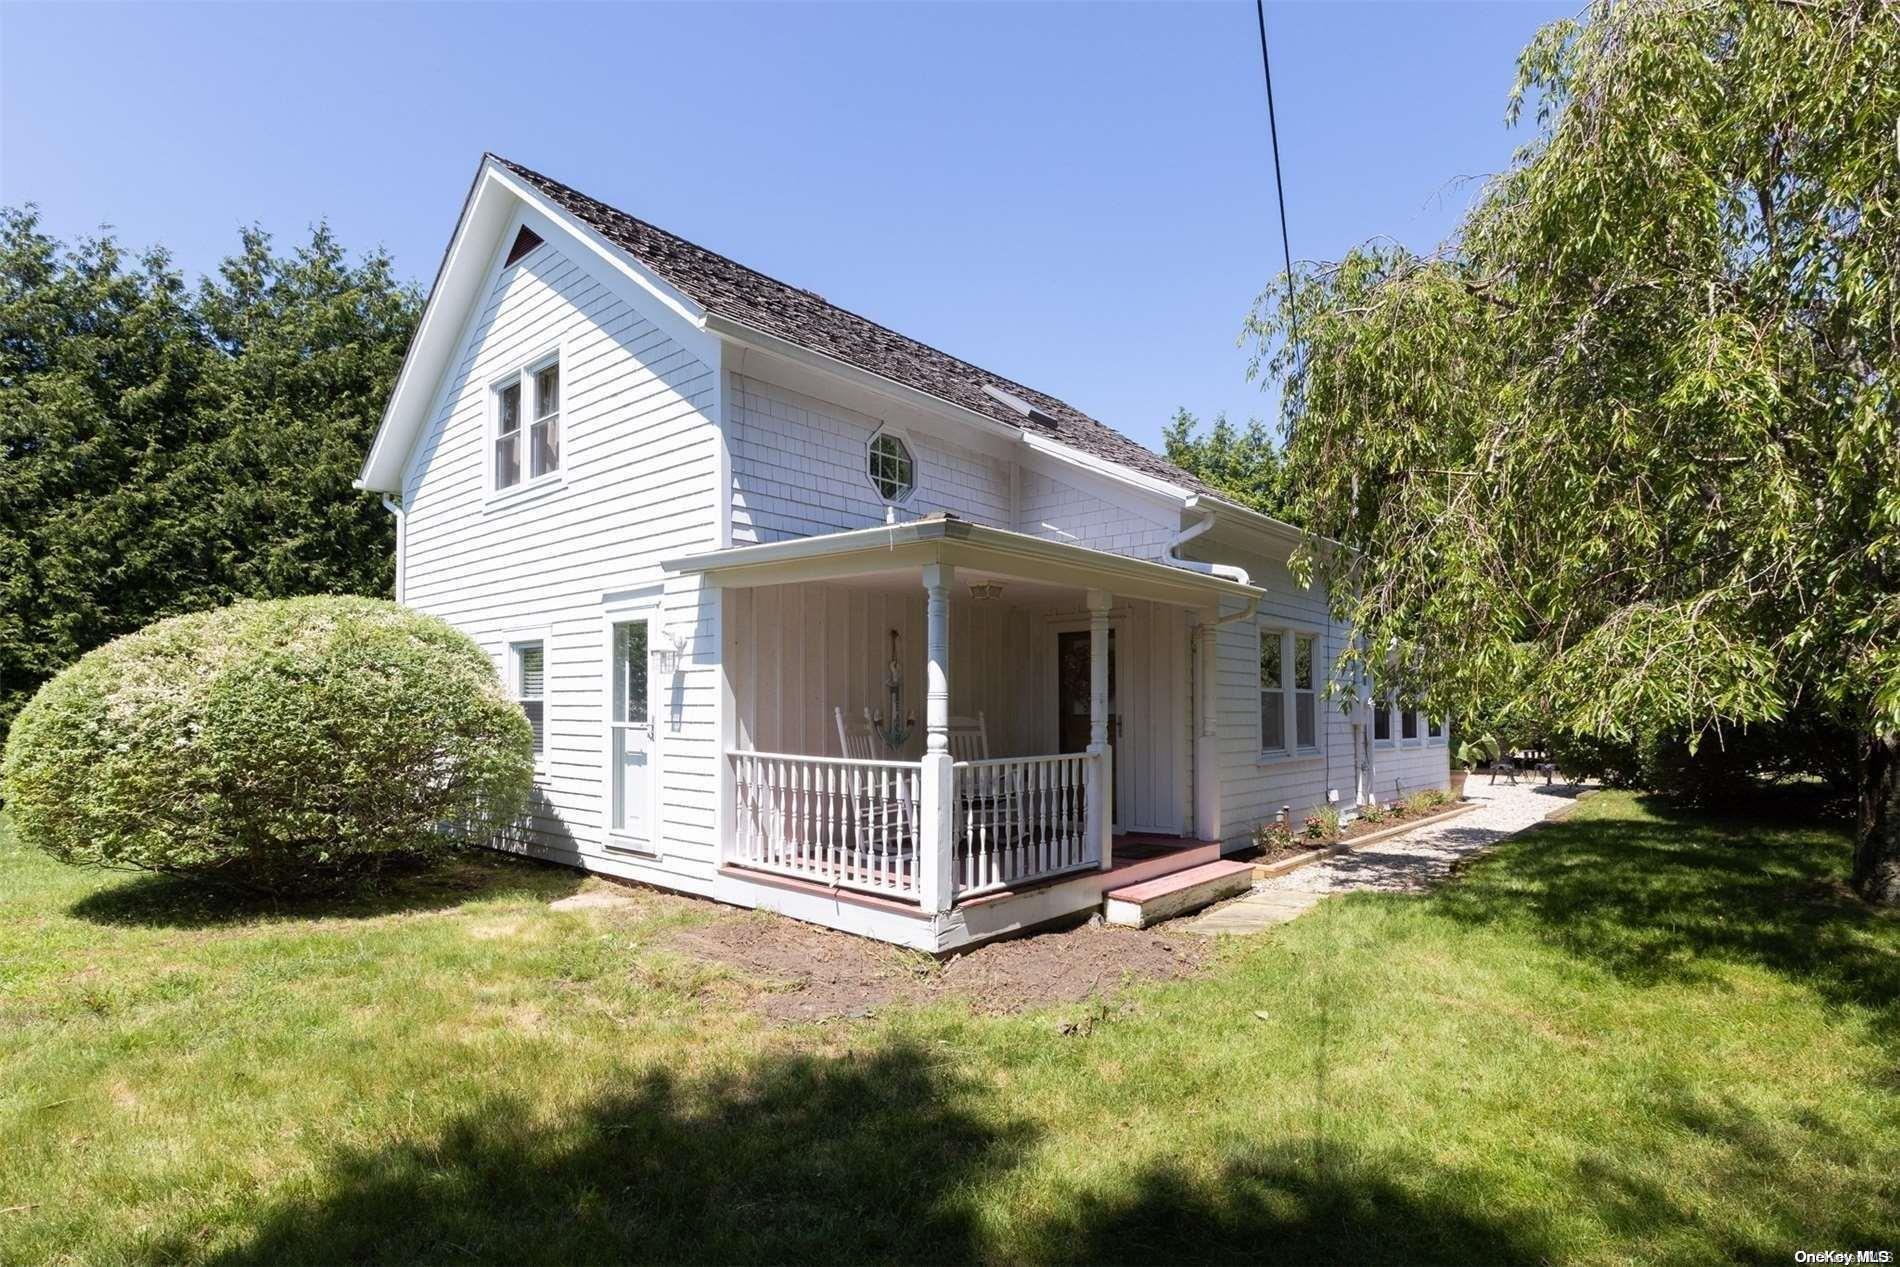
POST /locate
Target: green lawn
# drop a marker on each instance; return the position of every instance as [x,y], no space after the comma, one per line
[1627,1037]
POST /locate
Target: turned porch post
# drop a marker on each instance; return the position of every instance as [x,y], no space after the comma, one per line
[1101,816]
[936,820]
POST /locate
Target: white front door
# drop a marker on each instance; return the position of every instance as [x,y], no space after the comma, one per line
[630,739]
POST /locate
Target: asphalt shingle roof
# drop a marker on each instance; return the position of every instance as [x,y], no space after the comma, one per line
[731,289]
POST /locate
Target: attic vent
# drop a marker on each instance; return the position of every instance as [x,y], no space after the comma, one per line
[525,241]
[1016,403]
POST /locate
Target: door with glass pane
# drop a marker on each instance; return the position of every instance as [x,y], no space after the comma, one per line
[631,734]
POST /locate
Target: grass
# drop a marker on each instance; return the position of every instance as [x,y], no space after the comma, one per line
[1628,1037]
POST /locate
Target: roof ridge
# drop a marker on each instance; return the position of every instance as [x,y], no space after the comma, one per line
[857,339]
[1001,380]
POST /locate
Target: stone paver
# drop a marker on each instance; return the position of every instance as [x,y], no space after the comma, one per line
[594,899]
[1403,864]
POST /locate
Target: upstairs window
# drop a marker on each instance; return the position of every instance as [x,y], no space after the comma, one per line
[530,683]
[892,469]
[537,392]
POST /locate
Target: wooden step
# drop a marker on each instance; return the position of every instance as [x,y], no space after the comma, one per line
[1139,905]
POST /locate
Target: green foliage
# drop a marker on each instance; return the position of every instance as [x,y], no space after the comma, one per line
[1247,466]
[164,450]
[275,744]
[1624,459]
[1323,823]
[1273,836]
[1478,751]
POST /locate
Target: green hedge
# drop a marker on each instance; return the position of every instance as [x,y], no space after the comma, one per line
[280,745]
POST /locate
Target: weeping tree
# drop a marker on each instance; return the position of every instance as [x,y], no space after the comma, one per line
[1624,455]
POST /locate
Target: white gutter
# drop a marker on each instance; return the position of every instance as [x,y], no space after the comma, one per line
[1226,571]
[395,508]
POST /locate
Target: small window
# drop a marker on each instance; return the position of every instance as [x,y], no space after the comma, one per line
[1272,692]
[1434,728]
[1305,718]
[1408,719]
[1382,720]
[530,674]
[893,472]
[539,390]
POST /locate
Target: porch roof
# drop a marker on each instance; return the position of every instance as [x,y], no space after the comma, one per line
[943,538]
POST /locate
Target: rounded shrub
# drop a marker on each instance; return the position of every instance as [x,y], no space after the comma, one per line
[282,745]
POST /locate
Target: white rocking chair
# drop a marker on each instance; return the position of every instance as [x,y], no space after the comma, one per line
[969,739]
[887,822]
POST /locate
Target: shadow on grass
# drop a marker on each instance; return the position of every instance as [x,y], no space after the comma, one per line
[165,901]
[1298,1201]
[875,1156]
[1667,896]
[1831,1205]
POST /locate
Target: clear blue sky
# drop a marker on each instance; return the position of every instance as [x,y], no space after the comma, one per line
[1079,196]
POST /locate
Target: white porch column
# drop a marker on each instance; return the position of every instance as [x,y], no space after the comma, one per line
[1207,815]
[1101,815]
[936,821]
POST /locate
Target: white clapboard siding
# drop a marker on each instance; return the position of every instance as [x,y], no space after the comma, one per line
[640,461]
[1254,788]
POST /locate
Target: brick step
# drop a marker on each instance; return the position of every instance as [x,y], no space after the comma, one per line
[1139,905]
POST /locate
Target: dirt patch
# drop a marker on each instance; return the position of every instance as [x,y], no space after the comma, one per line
[802,973]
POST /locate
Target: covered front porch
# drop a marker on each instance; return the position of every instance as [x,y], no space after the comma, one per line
[935,717]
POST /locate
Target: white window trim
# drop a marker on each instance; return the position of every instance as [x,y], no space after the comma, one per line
[1418,725]
[513,641]
[903,437]
[1293,750]
[1390,702]
[522,373]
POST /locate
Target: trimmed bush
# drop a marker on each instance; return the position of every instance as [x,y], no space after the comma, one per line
[283,745]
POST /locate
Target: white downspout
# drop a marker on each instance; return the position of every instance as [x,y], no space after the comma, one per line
[1207,807]
[394,507]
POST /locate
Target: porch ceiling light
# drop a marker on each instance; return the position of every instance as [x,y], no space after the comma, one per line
[986,591]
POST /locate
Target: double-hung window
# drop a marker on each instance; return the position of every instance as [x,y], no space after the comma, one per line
[1408,722]
[1305,706]
[1272,692]
[528,425]
[528,672]
[1382,720]
[1434,728]
[1289,697]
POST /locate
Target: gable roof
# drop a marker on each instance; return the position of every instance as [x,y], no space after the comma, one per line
[747,296]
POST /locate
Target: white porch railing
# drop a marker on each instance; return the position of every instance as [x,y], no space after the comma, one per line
[859,824]
[1019,819]
[830,820]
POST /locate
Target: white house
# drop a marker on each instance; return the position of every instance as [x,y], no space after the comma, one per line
[811,616]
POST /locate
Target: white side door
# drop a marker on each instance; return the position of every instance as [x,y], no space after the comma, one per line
[630,733]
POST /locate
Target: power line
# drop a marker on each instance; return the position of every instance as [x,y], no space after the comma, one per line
[1279,182]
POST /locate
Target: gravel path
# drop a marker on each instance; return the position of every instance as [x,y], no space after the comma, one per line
[1401,864]
[1421,858]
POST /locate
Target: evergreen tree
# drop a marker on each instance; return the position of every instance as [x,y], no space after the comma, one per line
[1244,465]
[164,449]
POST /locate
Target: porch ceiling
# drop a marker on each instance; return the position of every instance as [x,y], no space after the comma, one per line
[888,552]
